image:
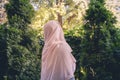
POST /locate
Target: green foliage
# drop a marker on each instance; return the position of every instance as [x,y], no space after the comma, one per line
[71,14]
[100,24]
[97,14]
[19,44]
[19,13]
[23,60]
[95,66]
[3,54]
[98,44]
[18,61]
[95,45]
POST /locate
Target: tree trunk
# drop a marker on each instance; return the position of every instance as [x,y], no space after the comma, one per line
[58,2]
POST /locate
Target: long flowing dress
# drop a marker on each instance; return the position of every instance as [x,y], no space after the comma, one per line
[57,61]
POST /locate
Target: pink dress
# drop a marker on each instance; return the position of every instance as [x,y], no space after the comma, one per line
[57,61]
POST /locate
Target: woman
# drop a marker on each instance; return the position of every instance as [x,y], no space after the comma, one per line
[57,61]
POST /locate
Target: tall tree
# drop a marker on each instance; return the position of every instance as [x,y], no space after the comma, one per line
[97,48]
[21,41]
[20,13]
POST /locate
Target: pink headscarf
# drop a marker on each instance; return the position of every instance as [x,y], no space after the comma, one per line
[57,61]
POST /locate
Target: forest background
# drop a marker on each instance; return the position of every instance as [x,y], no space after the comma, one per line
[90,29]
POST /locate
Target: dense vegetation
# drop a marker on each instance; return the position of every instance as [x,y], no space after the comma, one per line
[95,43]
[100,53]
[19,44]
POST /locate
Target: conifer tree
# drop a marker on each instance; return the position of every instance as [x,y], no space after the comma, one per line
[97,44]
[19,43]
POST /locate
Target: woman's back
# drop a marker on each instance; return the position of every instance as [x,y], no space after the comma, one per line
[57,61]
